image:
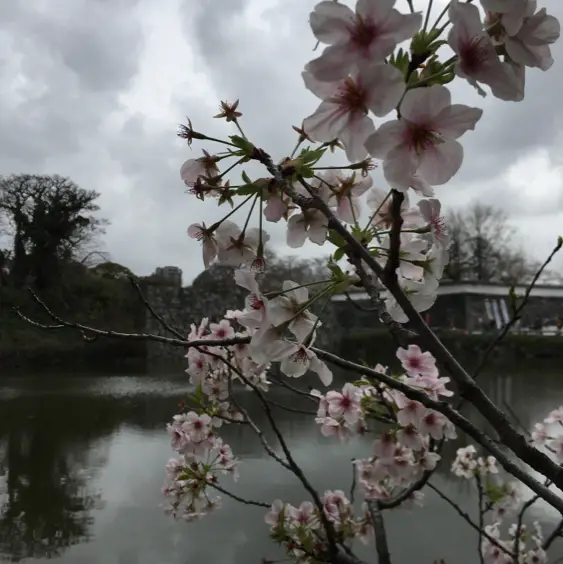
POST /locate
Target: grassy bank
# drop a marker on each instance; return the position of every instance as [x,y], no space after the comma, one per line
[88,299]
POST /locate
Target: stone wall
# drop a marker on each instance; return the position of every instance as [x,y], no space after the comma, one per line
[211,294]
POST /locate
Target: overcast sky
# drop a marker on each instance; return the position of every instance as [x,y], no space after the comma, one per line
[95,89]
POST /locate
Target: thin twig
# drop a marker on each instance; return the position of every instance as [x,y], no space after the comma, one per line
[556,533]
[238,498]
[516,315]
[465,516]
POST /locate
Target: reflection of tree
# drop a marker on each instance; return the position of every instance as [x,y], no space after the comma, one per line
[48,444]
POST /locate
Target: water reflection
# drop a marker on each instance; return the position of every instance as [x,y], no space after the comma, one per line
[82,461]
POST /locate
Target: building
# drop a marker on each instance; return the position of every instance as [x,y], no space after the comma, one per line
[472,306]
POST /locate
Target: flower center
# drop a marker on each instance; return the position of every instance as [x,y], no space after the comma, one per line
[473,54]
[352,97]
[363,34]
[300,356]
[422,137]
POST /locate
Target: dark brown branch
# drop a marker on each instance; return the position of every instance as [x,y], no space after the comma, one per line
[159,318]
[185,343]
[393,260]
[383,555]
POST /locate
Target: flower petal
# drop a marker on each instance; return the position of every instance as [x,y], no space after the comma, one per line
[440,162]
[421,105]
[385,85]
[385,139]
[330,22]
[455,120]
[354,137]
[333,65]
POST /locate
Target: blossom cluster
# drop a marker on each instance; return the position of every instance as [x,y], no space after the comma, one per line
[301,532]
[203,454]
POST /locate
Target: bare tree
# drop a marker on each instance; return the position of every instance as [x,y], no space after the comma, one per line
[484,247]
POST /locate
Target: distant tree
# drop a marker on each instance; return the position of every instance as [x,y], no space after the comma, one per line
[483,247]
[50,221]
[112,270]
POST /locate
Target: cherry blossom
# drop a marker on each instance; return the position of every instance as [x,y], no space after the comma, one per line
[290,308]
[345,404]
[236,247]
[411,252]
[530,45]
[421,295]
[380,201]
[221,330]
[298,359]
[478,60]
[256,304]
[194,169]
[370,34]
[343,111]
[346,190]
[308,224]
[423,140]
[509,13]
[200,232]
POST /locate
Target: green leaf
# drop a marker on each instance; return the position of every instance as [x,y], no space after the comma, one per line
[245,178]
[336,239]
[338,254]
[247,190]
[246,146]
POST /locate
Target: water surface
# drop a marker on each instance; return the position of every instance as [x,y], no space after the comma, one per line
[81,467]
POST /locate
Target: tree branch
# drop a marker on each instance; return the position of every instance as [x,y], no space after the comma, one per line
[383,555]
[238,498]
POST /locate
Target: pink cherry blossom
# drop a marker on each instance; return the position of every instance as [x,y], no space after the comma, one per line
[370,34]
[197,426]
[290,307]
[308,224]
[412,250]
[411,412]
[416,362]
[256,304]
[194,169]
[273,517]
[380,202]
[343,111]
[556,416]
[201,233]
[346,191]
[345,404]
[433,424]
[235,247]
[298,359]
[422,296]
[423,140]
[409,437]
[430,209]
[478,60]
[509,13]
[530,45]
[539,434]
[221,330]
